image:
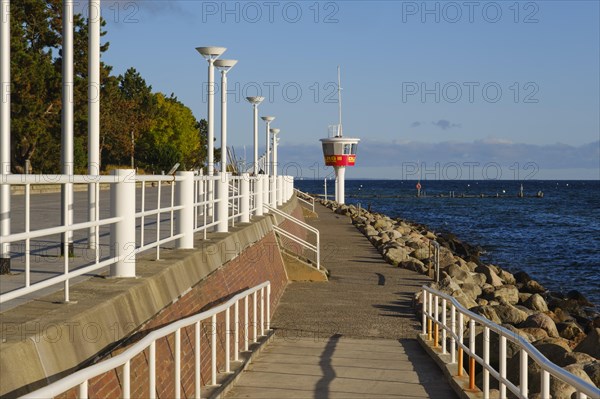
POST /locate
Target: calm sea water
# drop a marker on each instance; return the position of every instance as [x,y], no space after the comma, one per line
[556,239]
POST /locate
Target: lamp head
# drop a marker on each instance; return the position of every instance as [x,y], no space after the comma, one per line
[267,118]
[275,131]
[255,100]
[211,52]
[225,65]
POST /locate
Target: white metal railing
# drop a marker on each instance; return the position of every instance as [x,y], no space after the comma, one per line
[456,329]
[315,248]
[142,213]
[82,377]
[306,198]
[91,262]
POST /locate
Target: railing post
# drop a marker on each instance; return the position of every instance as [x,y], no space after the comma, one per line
[222,203]
[269,306]
[245,208]
[279,190]
[122,233]
[444,322]
[523,377]
[502,366]
[185,216]
[424,322]
[258,192]
[266,187]
[436,327]
[486,360]
[471,353]
[453,335]
[273,195]
[461,326]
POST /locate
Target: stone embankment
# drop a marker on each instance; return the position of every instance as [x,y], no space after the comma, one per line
[565,328]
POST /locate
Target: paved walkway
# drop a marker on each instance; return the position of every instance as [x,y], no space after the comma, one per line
[353,337]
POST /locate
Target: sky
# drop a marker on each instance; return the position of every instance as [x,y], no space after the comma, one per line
[466,89]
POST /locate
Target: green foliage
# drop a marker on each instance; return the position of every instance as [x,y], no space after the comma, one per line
[135,123]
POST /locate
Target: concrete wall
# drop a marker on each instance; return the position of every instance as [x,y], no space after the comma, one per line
[43,341]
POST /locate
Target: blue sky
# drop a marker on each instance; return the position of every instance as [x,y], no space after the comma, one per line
[507,84]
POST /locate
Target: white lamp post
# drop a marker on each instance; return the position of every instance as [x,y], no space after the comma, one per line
[276,188]
[211,54]
[223,187]
[268,119]
[5,132]
[255,101]
[67,123]
[93,111]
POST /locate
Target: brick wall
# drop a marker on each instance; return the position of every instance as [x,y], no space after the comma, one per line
[259,263]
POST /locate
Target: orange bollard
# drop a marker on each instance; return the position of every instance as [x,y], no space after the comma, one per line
[460,361]
[436,343]
[471,373]
[428,329]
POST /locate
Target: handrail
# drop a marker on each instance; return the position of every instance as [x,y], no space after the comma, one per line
[81,377]
[301,224]
[548,368]
[311,203]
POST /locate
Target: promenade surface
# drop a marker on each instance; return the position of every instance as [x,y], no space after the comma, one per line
[352,337]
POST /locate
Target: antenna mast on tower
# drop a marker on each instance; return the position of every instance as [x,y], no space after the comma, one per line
[339,102]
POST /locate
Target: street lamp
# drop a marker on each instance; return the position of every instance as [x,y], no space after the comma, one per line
[276,194]
[224,66]
[255,101]
[223,185]
[268,119]
[211,54]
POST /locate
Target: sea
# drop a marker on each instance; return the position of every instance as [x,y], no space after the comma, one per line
[554,238]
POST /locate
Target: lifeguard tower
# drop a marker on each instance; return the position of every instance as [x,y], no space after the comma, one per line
[339,151]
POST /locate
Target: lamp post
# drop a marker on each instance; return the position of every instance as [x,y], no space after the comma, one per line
[5,133]
[67,125]
[223,186]
[94,20]
[211,54]
[276,194]
[255,101]
[268,119]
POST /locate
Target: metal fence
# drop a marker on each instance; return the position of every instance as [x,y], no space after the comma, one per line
[453,330]
[239,333]
[139,213]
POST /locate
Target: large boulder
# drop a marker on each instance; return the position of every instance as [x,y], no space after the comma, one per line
[414,265]
[509,293]
[593,371]
[370,231]
[421,254]
[382,224]
[395,255]
[456,272]
[576,357]
[536,333]
[507,277]
[571,331]
[464,299]
[553,348]
[579,298]
[543,321]
[562,390]
[536,302]
[510,314]
[533,287]
[591,344]
[473,290]
[490,275]
[488,312]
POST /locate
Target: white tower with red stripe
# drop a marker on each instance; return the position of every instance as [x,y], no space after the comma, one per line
[339,151]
